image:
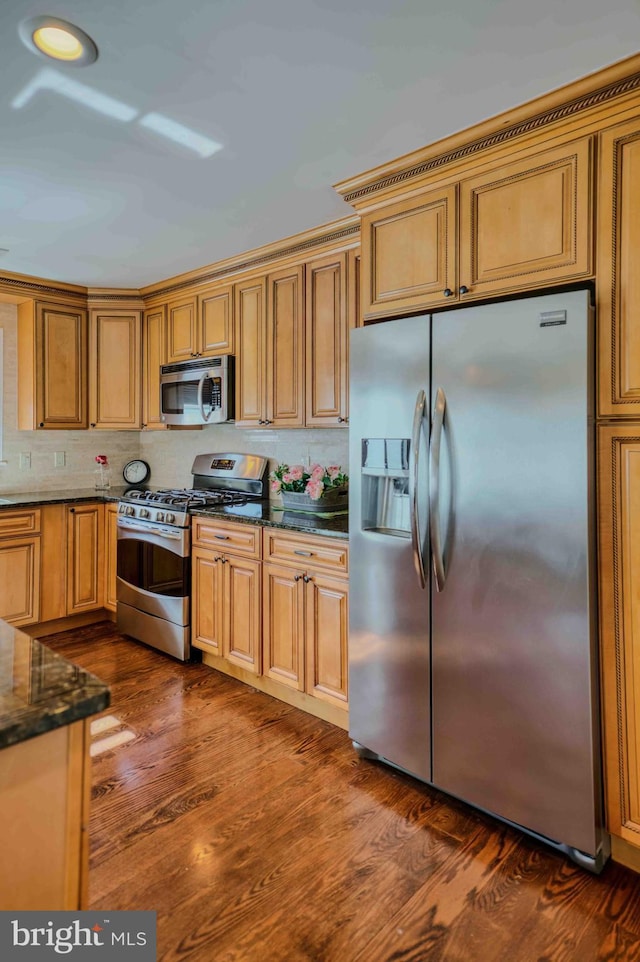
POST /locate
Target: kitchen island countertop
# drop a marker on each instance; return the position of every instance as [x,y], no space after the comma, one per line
[40,690]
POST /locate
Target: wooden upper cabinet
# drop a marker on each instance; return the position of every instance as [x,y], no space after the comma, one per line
[153,356]
[618,290]
[518,226]
[52,366]
[327,342]
[181,329]
[250,337]
[528,223]
[200,325]
[409,253]
[115,382]
[285,348]
[215,322]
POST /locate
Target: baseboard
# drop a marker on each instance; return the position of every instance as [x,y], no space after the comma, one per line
[625,853]
[66,624]
[297,699]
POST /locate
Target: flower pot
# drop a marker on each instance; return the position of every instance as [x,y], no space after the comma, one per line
[333,499]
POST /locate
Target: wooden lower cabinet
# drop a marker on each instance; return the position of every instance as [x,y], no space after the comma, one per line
[44,806]
[226,592]
[85,557]
[20,567]
[306,631]
[619,569]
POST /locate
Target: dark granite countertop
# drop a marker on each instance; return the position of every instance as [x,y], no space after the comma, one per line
[260,512]
[31,499]
[267,513]
[40,690]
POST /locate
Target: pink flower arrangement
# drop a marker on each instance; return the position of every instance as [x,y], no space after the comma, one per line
[312,481]
[102,459]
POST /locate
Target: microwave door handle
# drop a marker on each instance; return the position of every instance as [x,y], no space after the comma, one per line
[205,417]
[414,453]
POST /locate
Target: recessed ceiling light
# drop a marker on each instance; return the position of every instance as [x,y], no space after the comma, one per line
[58,39]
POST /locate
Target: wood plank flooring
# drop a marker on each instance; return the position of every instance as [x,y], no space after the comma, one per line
[257,835]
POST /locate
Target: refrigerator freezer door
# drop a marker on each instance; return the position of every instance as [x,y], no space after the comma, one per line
[389,682]
[513,645]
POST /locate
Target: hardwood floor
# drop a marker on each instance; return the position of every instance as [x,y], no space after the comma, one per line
[257,835]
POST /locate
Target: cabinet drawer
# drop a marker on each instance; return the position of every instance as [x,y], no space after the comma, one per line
[243,539]
[330,554]
[14,523]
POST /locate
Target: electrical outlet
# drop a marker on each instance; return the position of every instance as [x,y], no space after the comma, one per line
[25,460]
[59,459]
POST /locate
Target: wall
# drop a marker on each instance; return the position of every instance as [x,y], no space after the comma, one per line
[171,453]
[80,447]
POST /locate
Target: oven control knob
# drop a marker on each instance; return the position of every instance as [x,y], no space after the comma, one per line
[159,515]
[129,510]
[171,518]
[144,513]
[121,509]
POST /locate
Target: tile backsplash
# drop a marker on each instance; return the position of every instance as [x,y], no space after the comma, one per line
[170,453]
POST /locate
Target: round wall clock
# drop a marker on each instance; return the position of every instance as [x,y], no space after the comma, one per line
[136,472]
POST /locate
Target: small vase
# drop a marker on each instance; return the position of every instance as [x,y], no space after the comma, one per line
[102,477]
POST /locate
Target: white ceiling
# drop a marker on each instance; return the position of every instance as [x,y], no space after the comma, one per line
[300,93]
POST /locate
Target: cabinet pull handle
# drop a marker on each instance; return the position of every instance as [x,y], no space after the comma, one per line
[218,558]
[464,289]
[305,554]
[447,292]
[222,537]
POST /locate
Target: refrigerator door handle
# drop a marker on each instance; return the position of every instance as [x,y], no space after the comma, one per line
[418,416]
[434,489]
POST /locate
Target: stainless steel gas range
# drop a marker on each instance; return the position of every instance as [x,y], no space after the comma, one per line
[154,546]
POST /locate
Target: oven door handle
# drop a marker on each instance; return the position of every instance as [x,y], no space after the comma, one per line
[142,528]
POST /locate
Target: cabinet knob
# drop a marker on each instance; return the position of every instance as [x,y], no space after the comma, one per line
[297,577]
[306,579]
[41,425]
[266,421]
[93,425]
[343,420]
[447,292]
[464,289]
[72,510]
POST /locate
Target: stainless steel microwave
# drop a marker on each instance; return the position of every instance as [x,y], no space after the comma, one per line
[197,392]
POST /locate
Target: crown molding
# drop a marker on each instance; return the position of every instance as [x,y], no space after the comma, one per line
[565,102]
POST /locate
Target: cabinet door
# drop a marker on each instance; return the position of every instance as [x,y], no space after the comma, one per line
[285,349]
[619,571]
[528,223]
[326,630]
[61,368]
[207,600]
[618,310]
[20,580]
[53,586]
[409,254]
[85,539]
[243,614]
[181,329]
[250,338]
[110,554]
[283,629]
[215,322]
[115,397]
[153,356]
[327,342]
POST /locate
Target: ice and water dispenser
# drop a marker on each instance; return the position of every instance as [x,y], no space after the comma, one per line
[385,486]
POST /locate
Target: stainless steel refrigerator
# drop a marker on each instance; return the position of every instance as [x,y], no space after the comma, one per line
[472,637]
